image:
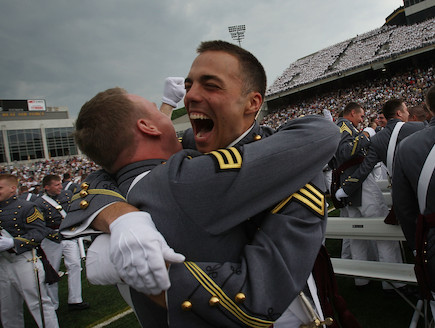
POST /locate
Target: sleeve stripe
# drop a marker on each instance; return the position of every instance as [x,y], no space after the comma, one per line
[228,158]
[309,196]
[225,301]
[27,241]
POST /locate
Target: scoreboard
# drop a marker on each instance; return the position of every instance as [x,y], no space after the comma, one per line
[29,105]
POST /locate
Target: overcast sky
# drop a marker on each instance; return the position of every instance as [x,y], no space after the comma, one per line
[67,51]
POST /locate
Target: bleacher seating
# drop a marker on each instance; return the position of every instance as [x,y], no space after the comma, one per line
[370,47]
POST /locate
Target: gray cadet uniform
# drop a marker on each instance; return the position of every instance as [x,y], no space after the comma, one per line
[378,152]
[353,146]
[30,197]
[408,164]
[366,200]
[246,218]
[69,185]
[54,247]
[22,220]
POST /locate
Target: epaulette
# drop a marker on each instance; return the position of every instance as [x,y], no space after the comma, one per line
[85,191]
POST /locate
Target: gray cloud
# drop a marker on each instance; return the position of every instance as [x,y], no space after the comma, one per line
[67,51]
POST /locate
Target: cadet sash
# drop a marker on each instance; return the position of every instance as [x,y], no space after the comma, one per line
[392,147]
[55,204]
[68,185]
[423,180]
[424,223]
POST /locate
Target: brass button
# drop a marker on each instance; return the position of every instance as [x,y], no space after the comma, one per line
[329,321]
[84,186]
[83,193]
[213,301]
[84,204]
[186,306]
[240,297]
[257,137]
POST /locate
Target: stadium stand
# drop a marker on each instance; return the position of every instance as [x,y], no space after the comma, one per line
[371,94]
[370,47]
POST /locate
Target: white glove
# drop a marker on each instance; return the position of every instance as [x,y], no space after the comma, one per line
[173,91]
[327,115]
[99,268]
[139,251]
[6,243]
[339,194]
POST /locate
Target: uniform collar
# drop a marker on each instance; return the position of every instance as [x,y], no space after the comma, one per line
[126,175]
[7,201]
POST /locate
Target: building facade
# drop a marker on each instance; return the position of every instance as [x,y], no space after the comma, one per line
[36,135]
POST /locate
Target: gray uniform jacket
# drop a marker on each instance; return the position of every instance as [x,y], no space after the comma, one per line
[24,222]
[378,152]
[28,196]
[248,219]
[72,186]
[353,144]
[53,217]
[410,157]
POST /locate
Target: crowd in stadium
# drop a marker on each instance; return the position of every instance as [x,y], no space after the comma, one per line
[370,47]
[371,95]
[31,175]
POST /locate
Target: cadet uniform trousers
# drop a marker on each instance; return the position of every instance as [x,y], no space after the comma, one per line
[18,282]
[372,205]
[71,258]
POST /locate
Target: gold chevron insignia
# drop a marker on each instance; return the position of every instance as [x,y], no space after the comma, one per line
[224,300]
[308,196]
[36,215]
[227,159]
[344,127]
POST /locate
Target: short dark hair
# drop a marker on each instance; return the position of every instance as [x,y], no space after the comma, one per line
[12,179]
[104,126]
[419,111]
[254,76]
[49,178]
[350,107]
[391,107]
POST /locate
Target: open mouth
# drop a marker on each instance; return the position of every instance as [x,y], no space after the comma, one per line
[202,125]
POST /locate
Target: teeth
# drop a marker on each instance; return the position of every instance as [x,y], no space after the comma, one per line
[199,134]
[198,116]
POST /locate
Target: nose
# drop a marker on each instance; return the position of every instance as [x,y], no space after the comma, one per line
[193,94]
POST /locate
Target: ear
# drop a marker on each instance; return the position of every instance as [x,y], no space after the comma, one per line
[147,127]
[254,102]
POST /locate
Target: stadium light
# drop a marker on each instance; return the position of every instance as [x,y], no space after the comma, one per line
[237,33]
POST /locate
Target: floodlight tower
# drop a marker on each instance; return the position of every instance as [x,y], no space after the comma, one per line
[237,33]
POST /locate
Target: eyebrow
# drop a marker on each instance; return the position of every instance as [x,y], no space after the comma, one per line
[204,78]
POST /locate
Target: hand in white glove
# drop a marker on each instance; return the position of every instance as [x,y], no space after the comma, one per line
[173,91]
[139,251]
[327,115]
[6,243]
[99,268]
[339,194]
